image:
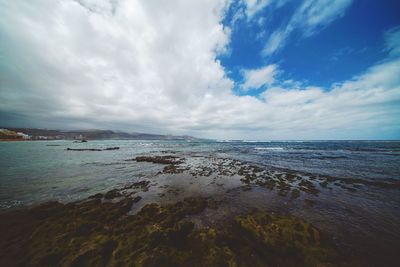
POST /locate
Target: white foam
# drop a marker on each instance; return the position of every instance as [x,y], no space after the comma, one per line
[269,148]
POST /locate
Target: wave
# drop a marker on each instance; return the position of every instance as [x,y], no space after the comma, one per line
[269,148]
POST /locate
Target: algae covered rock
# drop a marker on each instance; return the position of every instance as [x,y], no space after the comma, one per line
[284,240]
[96,233]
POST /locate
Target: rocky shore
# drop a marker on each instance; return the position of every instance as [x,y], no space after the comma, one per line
[165,220]
[99,232]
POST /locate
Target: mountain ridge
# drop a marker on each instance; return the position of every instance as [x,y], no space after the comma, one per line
[97,134]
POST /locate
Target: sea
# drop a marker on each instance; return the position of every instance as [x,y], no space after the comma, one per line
[38,171]
[361,222]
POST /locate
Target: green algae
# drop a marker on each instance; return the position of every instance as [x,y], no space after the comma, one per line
[284,240]
[96,233]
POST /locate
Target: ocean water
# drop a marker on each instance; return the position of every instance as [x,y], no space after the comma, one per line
[352,159]
[364,221]
[33,172]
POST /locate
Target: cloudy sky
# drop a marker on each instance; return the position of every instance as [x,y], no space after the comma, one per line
[249,69]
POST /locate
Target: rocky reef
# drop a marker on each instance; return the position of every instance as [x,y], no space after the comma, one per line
[285,182]
[95,232]
[168,159]
[154,221]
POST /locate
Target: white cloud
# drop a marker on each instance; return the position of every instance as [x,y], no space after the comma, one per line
[279,96]
[143,66]
[316,14]
[366,102]
[392,37]
[309,18]
[275,41]
[143,62]
[255,6]
[259,77]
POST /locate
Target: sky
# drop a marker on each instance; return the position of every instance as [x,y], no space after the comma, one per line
[222,69]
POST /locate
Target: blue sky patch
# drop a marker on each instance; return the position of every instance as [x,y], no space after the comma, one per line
[346,46]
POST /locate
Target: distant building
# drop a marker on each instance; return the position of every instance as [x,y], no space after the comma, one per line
[80,137]
[24,136]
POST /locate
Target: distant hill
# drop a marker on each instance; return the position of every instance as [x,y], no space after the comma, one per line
[95,135]
[9,135]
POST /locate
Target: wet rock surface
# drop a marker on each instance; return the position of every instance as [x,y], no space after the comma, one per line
[178,216]
[160,159]
[284,181]
[96,233]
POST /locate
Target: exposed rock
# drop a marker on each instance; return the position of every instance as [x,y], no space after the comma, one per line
[98,195]
[92,149]
[112,148]
[92,233]
[84,149]
[142,185]
[168,159]
[112,194]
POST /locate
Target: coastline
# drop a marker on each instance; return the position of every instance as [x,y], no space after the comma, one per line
[222,191]
[13,140]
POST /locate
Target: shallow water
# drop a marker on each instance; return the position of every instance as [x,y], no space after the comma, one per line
[361,217]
